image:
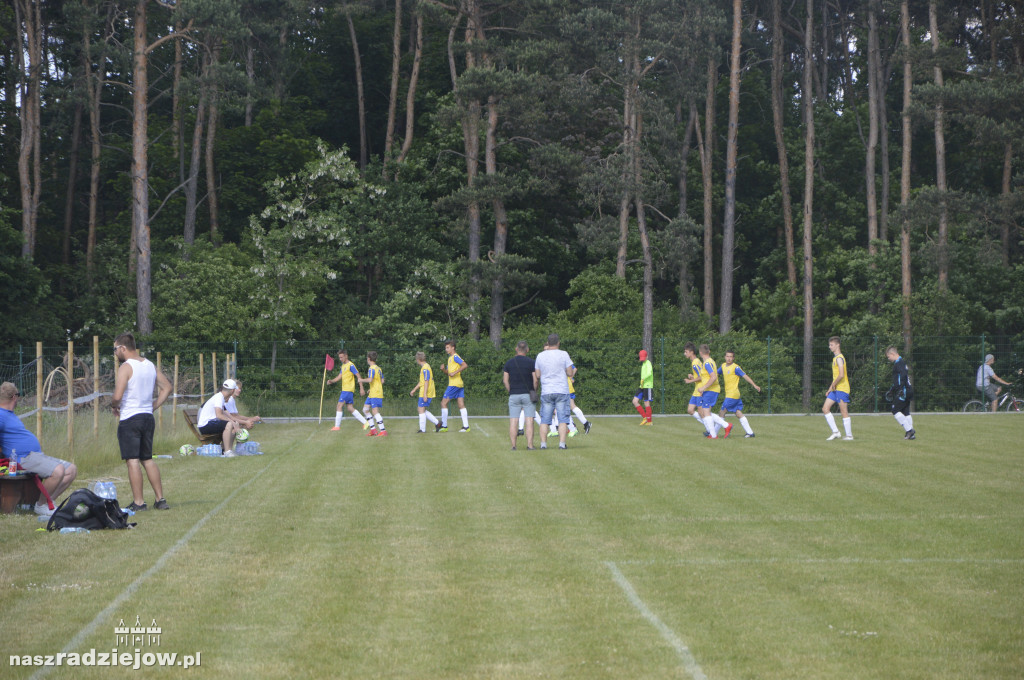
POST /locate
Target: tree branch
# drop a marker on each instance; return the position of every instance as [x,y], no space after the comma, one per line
[175,35]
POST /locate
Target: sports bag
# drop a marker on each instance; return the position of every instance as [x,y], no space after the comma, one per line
[85,509]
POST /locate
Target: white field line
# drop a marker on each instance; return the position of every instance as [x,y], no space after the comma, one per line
[482,430]
[810,519]
[689,663]
[90,628]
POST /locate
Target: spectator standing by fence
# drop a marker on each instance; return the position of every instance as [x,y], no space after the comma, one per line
[553,365]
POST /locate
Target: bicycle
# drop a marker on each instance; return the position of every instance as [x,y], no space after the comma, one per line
[1008,401]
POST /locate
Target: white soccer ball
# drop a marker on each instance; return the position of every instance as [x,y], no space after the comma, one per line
[187,450]
[242,436]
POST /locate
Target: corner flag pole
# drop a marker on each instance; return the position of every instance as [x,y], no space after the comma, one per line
[328,365]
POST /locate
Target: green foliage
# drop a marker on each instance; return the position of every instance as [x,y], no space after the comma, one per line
[24,307]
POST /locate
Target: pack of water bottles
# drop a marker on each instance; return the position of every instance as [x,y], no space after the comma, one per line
[248,449]
[209,450]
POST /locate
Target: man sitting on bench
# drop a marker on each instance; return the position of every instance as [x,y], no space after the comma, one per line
[57,474]
[232,408]
[215,419]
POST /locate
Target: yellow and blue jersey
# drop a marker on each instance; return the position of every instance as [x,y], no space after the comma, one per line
[454,361]
[695,367]
[731,374]
[376,377]
[426,382]
[348,377]
[844,384]
[709,370]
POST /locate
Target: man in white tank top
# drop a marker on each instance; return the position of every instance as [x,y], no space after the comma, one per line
[133,405]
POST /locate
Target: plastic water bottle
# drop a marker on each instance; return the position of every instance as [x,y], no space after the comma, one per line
[74,530]
[105,490]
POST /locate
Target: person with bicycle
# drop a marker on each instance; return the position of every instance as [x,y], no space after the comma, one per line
[984,382]
[900,393]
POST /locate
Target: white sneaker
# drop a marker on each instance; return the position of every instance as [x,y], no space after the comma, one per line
[229,454]
[834,435]
[848,438]
[43,510]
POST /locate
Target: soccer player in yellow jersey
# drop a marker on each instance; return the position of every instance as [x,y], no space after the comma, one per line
[731,373]
[708,389]
[455,390]
[838,392]
[425,386]
[375,396]
[349,376]
[693,409]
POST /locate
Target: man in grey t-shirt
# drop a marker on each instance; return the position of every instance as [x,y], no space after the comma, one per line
[984,379]
[553,366]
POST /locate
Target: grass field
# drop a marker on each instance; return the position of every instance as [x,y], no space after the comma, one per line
[637,553]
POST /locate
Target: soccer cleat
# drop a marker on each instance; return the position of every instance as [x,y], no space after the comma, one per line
[848,438]
[161,505]
[444,428]
[421,431]
[748,436]
[728,429]
[649,422]
[520,433]
[911,435]
[562,446]
[707,434]
[135,507]
[574,433]
[335,428]
[834,435]
[382,433]
[366,424]
[586,427]
[552,432]
[437,427]
[643,421]
[464,429]
[372,432]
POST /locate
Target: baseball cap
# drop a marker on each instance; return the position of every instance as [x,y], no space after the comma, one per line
[643,355]
[230,384]
[988,358]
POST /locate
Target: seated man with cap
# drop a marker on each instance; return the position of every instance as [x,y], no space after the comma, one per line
[215,419]
[232,408]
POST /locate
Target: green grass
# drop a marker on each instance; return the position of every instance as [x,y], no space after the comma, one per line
[450,556]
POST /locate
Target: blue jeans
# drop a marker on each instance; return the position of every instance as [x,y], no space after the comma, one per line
[548,405]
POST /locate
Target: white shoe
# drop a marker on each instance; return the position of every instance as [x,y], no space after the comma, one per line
[834,435]
[43,510]
[229,454]
[848,438]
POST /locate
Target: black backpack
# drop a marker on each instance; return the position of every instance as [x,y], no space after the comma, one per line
[85,509]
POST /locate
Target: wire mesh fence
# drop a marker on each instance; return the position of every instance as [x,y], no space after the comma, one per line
[287,378]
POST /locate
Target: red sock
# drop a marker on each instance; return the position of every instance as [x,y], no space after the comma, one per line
[640,410]
[648,416]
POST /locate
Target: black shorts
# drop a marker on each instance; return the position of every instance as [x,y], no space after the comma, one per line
[135,436]
[644,394]
[900,406]
[214,427]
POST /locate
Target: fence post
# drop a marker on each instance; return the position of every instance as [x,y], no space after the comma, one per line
[769,375]
[876,373]
[21,368]
[174,402]
[39,390]
[95,385]
[160,412]
[202,380]
[71,395]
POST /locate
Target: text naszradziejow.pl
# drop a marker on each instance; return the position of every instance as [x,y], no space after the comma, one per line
[135,660]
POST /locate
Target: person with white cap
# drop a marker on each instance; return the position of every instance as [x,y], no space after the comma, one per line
[215,419]
[646,388]
[232,407]
[984,382]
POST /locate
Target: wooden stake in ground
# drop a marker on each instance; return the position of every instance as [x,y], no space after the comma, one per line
[328,365]
[95,385]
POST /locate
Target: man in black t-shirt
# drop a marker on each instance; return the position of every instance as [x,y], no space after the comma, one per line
[519,380]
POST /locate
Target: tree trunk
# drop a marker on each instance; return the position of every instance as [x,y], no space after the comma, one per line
[94,90]
[471,142]
[396,60]
[410,97]
[192,182]
[361,97]
[69,196]
[871,152]
[140,173]
[500,223]
[940,155]
[250,80]
[176,133]
[29,58]
[211,137]
[908,81]
[627,170]
[779,121]
[1007,191]
[685,300]
[729,221]
[647,338]
[706,169]
[807,96]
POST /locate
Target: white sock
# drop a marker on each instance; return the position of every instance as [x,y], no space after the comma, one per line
[718,428]
[522,419]
[710,425]
[359,416]
[831,420]
[901,419]
[423,422]
[910,422]
[719,420]
[337,418]
[699,418]
[444,417]
[579,414]
[746,425]
[572,425]
[536,418]
[847,422]
[380,420]
[431,417]
[465,417]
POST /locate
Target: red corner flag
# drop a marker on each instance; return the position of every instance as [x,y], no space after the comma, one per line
[329,363]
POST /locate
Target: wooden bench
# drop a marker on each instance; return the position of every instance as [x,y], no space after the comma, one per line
[17,489]
[190,418]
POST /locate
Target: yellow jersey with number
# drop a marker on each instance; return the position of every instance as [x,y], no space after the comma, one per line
[454,362]
[839,366]
[348,377]
[376,377]
[731,375]
[709,370]
[426,382]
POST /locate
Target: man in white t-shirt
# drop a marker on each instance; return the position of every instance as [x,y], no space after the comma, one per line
[215,419]
[984,379]
[232,408]
[133,404]
[553,366]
